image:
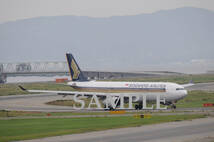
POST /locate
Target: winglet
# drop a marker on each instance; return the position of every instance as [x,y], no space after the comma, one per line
[22,88]
[191,82]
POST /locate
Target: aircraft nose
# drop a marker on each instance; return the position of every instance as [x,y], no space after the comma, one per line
[185,93]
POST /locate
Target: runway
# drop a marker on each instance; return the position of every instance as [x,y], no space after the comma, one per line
[199,130]
[32,102]
[36,102]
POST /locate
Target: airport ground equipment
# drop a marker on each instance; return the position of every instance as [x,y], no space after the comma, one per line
[3,78]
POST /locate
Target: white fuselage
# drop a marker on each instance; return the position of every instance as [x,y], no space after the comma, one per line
[171,92]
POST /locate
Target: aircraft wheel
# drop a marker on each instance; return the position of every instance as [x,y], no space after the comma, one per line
[173,106]
[111,108]
[136,107]
[140,106]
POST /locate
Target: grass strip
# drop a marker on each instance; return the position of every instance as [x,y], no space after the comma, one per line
[196,99]
[13,89]
[22,129]
[183,79]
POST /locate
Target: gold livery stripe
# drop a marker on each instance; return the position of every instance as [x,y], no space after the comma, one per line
[101,90]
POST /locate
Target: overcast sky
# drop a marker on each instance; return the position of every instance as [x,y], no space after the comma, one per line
[11,10]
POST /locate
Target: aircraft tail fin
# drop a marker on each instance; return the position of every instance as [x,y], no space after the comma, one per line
[75,72]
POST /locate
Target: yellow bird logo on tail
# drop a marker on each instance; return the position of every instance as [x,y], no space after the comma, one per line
[76,72]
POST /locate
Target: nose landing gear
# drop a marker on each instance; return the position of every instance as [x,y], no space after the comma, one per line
[173,106]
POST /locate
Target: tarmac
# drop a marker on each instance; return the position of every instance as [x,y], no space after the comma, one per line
[33,102]
[36,102]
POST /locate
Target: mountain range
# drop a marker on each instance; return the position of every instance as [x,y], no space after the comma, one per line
[120,43]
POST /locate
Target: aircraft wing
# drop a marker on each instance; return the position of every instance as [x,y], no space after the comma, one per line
[187,85]
[71,92]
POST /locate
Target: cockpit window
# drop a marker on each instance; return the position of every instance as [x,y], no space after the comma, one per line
[179,88]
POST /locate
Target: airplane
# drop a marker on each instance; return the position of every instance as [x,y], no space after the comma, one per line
[170,92]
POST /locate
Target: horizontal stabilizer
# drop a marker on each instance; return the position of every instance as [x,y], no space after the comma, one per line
[22,88]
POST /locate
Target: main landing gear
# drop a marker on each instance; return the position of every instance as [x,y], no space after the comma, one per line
[139,106]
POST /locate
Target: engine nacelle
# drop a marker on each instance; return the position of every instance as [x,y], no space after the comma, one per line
[111,102]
